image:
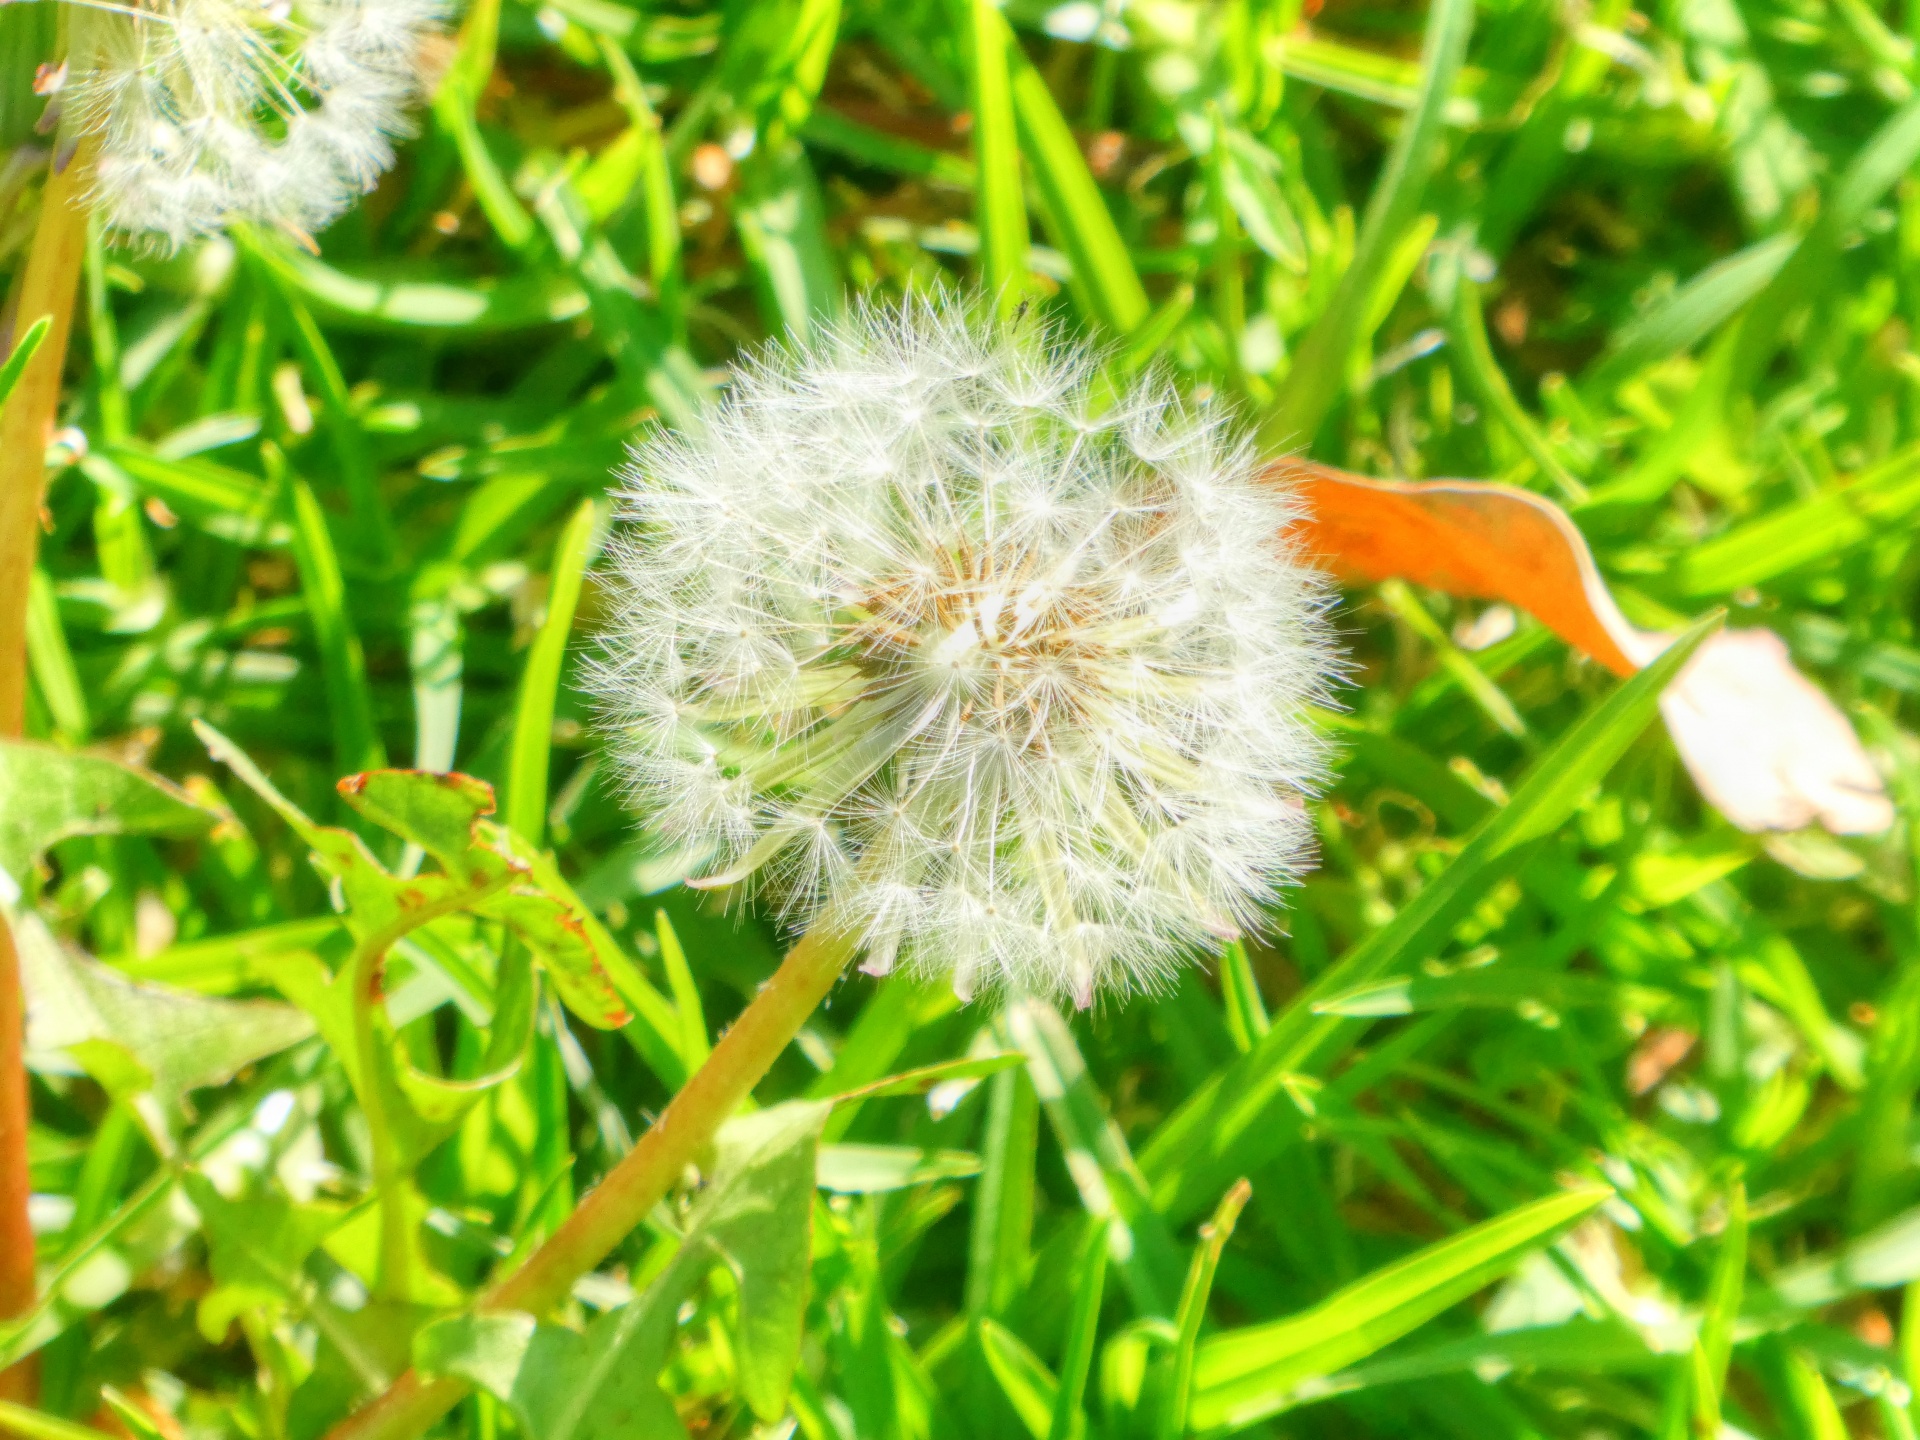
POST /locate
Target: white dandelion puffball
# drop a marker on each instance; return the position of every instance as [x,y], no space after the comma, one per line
[208,112]
[940,647]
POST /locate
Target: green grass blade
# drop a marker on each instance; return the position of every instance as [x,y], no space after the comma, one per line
[1320,366]
[356,741]
[523,805]
[1000,209]
[694,1045]
[454,107]
[1242,1376]
[1247,1019]
[1083,1331]
[22,356]
[436,660]
[1073,210]
[1808,1401]
[664,267]
[1714,1347]
[1820,528]
[1003,1197]
[783,230]
[1193,1308]
[830,130]
[1690,314]
[30,1424]
[1480,687]
[51,660]
[1110,1183]
[1021,1375]
[372,530]
[1488,382]
[889,1020]
[1239,1119]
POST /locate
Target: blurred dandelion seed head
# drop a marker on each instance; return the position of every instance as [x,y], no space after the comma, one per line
[942,646]
[210,112]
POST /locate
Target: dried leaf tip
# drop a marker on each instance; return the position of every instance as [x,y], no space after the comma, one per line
[938,642]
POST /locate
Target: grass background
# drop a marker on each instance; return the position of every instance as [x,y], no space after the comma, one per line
[1662,265]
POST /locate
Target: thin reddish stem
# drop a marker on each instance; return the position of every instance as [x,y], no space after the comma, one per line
[639,1182]
[48,288]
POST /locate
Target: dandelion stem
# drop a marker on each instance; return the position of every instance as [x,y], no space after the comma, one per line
[48,288]
[639,1182]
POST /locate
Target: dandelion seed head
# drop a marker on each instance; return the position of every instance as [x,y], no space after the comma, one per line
[210,112]
[942,647]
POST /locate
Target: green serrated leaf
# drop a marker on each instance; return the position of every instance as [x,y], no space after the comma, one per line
[133,1036]
[754,1217]
[49,795]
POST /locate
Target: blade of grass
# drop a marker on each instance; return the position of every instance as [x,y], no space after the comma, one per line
[36,1425]
[523,805]
[1083,1332]
[356,740]
[783,230]
[1241,1118]
[118,527]
[1073,211]
[1809,532]
[997,1250]
[372,531]
[22,356]
[1745,349]
[1110,1183]
[1488,382]
[1480,687]
[1691,313]
[52,662]
[1809,1404]
[1247,1019]
[1020,1375]
[694,1046]
[1193,1308]
[1000,210]
[1242,1376]
[1229,284]
[454,108]
[1313,382]
[999,1237]
[1713,1349]
[664,267]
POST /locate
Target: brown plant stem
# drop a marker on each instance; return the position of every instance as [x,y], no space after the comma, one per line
[48,287]
[639,1182]
[16,1234]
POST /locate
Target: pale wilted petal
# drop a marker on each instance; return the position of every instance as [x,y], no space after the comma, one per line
[1765,744]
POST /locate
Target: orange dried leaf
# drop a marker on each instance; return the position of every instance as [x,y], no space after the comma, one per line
[1467,538]
[1764,744]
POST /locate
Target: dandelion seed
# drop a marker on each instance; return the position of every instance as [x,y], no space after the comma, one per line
[208,112]
[940,649]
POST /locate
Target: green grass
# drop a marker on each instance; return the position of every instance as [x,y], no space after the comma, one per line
[1568,1110]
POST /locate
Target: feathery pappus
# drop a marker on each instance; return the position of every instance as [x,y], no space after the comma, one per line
[208,112]
[940,639]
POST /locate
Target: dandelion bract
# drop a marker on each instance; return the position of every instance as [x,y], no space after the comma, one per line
[940,640]
[209,112]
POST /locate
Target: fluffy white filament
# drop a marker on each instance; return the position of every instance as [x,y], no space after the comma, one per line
[280,112]
[937,644]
